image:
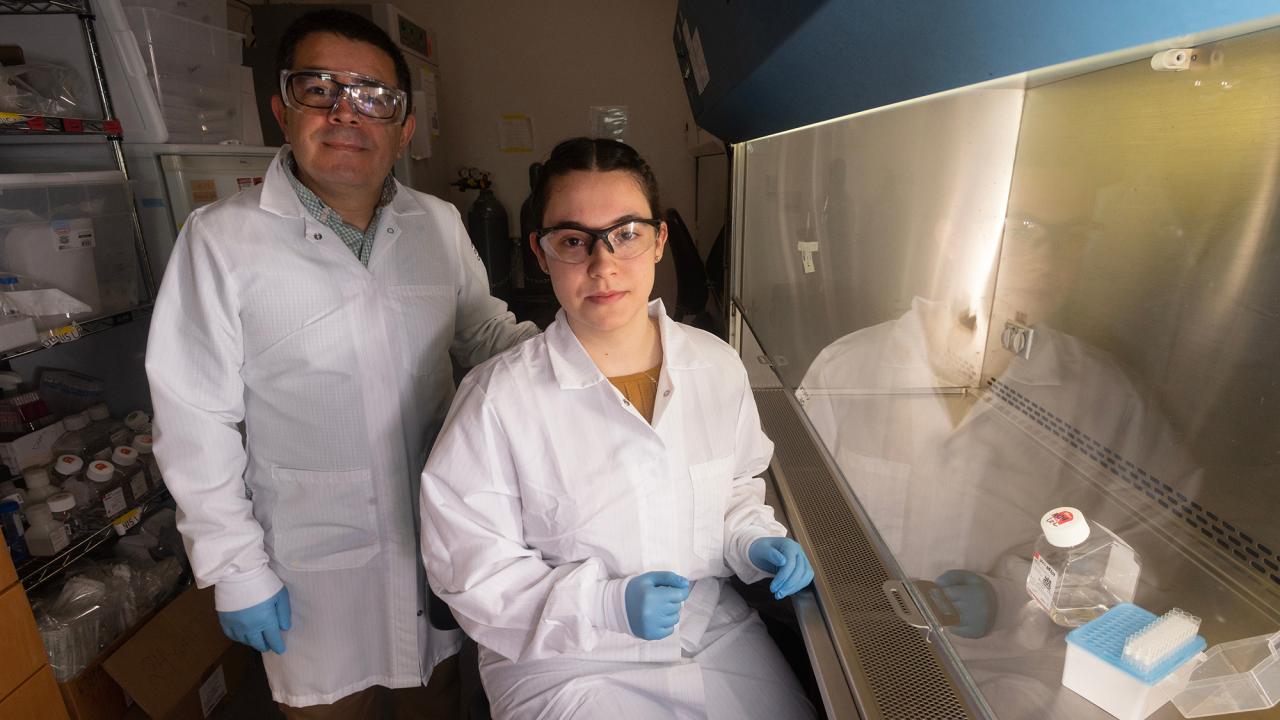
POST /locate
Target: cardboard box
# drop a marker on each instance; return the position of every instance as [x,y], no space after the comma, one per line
[36,699]
[179,665]
[31,449]
[23,650]
[175,665]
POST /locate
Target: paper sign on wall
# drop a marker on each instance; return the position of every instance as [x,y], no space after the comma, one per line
[515,133]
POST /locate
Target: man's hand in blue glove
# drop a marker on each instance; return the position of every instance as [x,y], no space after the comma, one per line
[261,626]
[974,599]
[653,603]
[786,560]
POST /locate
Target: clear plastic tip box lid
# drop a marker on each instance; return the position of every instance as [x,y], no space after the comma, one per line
[1234,677]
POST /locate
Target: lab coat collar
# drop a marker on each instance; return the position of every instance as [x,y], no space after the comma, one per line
[574,368]
[279,198]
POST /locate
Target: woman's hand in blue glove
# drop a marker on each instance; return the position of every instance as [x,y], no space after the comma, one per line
[786,560]
[653,602]
[260,627]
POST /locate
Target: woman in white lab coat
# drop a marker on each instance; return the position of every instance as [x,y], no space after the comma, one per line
[593,487]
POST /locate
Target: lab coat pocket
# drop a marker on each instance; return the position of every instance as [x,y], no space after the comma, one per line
[711,482]
[323,520]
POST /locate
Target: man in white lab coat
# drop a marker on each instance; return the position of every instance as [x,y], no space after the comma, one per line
[319,310]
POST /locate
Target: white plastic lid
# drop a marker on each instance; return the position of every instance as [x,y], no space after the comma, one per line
[36,477]
[1064,527]
[61,502]
[100,471]
[98,412]
[136,420]
[38,514]
[78,421]
[142,443]
[68,465]
[124,455]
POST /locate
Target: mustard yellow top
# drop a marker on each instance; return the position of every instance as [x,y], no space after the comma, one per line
[640,389]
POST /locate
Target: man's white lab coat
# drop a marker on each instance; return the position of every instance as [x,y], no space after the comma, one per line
[341,377]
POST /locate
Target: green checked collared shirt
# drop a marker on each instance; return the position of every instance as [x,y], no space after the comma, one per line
[361,243]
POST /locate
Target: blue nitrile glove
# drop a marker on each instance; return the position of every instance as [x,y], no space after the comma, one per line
[653,603]
[786,560]
[260,626]
[974,599]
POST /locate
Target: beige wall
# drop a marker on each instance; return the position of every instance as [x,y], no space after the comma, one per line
[552,60]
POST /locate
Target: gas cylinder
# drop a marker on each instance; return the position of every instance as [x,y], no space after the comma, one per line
[490,233]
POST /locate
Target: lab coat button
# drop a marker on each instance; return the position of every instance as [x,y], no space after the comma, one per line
[627,403]
[317,236]
[391,230]
[666,393]
[419,613]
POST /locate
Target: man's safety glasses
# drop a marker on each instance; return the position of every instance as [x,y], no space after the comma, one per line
[570,243]
[305,90]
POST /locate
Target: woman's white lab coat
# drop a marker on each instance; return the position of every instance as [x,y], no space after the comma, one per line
[547,492]
[341,376]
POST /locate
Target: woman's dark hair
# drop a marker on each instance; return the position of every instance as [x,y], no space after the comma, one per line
[350,26]
[593,154]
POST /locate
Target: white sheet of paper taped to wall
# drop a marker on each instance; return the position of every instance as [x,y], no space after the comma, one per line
[515,133]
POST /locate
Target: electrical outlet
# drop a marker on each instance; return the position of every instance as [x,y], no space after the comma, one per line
[1017,339]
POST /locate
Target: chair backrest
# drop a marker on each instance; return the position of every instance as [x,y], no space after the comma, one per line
[691,274]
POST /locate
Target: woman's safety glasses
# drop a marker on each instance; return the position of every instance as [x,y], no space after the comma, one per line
[570,243]
[305,90]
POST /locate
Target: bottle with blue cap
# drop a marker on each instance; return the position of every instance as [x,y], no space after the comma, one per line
[1080,569]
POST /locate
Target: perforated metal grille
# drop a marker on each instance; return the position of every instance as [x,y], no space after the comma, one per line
[1254,555]
[905,678]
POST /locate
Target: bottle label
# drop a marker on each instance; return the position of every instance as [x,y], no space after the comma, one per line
[59,538]
[139,486]
[113,502]
[74,234]
[1042,581]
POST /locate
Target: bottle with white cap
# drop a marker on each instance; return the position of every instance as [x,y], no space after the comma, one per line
[1079,568]
[107,489]
[46,536]
[63,506]
[39,486]
[134,476]
[69,471]
[143,444]
[139,422]
[75,441]
[10,491]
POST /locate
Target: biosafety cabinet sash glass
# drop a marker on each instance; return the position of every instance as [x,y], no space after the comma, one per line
[1059,289]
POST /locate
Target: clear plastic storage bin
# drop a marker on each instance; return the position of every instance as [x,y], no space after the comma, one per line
[209,12]
[195,70]
[73,232]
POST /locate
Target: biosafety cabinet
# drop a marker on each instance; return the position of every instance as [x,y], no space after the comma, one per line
[1060,287]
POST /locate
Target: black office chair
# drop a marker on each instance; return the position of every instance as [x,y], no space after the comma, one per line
[691,275]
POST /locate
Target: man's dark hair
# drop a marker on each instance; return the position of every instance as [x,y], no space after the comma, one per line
[600,155]
[352,27]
